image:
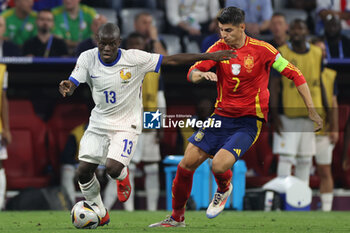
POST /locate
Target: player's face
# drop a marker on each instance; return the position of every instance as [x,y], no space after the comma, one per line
[298,32]
[231,34]
[108,47]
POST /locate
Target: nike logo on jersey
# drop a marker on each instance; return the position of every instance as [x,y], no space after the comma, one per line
[124,155]
[93,76]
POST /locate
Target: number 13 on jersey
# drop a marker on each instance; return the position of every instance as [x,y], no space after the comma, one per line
[110,97]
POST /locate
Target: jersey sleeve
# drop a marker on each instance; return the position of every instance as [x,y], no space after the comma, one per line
[149,62]
[289,70]
[80,72]
[206,64]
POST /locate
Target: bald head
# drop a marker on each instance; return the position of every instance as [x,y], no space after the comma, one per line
[108,41]
[108,30]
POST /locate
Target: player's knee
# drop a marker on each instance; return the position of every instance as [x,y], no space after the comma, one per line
[218,167]
[114,169]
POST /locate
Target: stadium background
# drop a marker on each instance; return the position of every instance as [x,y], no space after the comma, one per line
[40,120]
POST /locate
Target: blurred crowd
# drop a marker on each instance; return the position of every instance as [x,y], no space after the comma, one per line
[65,28]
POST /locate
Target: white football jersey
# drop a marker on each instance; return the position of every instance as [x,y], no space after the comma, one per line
[116,87]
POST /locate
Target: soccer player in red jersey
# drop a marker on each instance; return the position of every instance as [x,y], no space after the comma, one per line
[241,106]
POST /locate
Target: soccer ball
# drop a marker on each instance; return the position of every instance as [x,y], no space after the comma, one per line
[85,215]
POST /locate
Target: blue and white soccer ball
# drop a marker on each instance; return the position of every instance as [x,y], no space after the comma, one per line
[85,215]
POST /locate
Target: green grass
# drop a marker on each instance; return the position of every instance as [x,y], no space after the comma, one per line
[228,221]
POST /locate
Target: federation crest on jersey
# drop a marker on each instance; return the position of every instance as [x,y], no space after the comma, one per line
[199,136]
[151,120]
[236,69]
[125,76]
[249,63]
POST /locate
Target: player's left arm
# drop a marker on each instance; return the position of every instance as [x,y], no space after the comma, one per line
[290,71]
[334,127]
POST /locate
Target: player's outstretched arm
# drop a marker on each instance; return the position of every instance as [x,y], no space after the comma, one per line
[66,88]
[304,91]
[188,58]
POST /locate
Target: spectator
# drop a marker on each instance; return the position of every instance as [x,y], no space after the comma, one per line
[279,30]
[91,42]
[20,22]
[45,44]
[337,45]
[257,14]
[5,134]
[147,148]
[190,18]
[325,8]
[73,22]
[326,139]
[209,40]
[294,137]
[7,48]
[144,24]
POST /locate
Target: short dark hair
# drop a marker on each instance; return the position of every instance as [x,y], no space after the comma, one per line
[135,35]
[279,14]
[232,15]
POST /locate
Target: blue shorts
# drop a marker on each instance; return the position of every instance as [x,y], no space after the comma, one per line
[236,135]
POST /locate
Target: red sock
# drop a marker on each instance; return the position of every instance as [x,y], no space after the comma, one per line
[182,187]
[223,180]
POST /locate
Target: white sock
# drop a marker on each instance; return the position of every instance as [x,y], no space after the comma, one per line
[302,168]
[129,204]
[91,192]
[327,201]
[110,193]
[123,174]
[2,188]
[284,167]
[67,180]
[152,186]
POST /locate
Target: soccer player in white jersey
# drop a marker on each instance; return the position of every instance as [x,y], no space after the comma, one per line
[115,78]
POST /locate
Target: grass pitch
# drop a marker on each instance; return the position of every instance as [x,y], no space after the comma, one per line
[138,221]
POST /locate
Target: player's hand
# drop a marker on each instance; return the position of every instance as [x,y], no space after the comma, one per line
[222,55]
[6,137]
[209,76]
[313,115]
[65,87]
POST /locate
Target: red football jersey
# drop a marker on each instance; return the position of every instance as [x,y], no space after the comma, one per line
[242,81]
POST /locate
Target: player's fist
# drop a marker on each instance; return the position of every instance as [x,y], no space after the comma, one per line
[222,55]
[66,87]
